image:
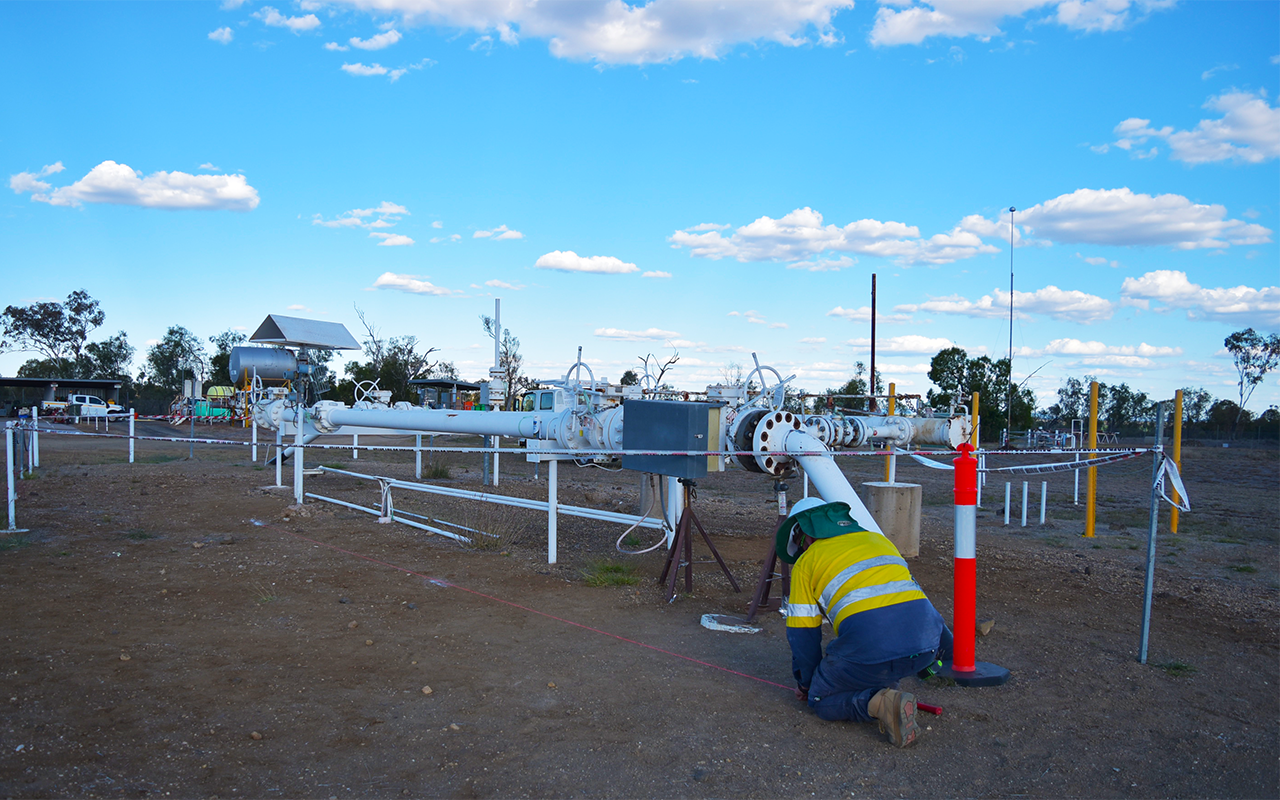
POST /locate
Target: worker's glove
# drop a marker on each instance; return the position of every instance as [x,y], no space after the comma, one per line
[929,671]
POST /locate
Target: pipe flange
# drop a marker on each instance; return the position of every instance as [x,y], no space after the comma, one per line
[744,437]
[770,433]
[320,415]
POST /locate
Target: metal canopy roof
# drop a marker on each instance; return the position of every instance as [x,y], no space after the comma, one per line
[65,383]
[445,383]
[297,332]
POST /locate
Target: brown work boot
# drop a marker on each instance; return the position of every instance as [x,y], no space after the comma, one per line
[896,712]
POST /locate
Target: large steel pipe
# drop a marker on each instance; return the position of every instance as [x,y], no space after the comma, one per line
[840,431]
[330,417]
[826,476]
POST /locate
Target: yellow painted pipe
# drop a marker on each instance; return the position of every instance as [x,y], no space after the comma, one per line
[1177,453]
[1091,492]
[888,460]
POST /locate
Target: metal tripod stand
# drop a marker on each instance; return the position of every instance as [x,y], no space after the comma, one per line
[681,552]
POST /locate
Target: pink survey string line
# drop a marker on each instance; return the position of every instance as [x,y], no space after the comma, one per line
[447,584]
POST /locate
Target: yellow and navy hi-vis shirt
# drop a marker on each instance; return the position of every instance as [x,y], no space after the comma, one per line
[861,584]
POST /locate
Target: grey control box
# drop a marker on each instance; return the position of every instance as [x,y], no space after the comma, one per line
[666,425]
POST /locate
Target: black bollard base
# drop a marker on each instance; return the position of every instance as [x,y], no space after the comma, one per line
[982,674]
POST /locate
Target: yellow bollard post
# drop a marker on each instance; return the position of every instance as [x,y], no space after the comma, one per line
[1091,491]
[888,460]
[1177,453]
[973,417]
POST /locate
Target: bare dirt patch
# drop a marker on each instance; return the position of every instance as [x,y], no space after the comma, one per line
[159,642]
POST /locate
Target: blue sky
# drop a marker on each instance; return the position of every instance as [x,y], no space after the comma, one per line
[717,178]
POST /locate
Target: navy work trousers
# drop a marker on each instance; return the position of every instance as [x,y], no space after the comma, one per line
[842,689]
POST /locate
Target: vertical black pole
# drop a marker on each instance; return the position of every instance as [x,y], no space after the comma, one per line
[871,378]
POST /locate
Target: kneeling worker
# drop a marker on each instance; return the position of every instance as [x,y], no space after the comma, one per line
[885,627]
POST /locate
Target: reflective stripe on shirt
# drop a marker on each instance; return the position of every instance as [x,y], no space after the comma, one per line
[833,586]
[867,592]
[803,610]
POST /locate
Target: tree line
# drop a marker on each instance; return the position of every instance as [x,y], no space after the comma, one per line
[59,334]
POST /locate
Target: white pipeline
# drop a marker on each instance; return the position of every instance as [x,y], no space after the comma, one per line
[827,478]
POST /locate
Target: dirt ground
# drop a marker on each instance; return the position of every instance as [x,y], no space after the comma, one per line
[173,628]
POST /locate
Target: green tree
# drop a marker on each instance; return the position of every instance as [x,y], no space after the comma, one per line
[1195,404]
[1125,409]
[220,362]
[55,330]
[1254,355]
[109,358]
[510,361]
[180,354]
[392,363]
[857,386]
[1226,414]
[629,378]
[957,377]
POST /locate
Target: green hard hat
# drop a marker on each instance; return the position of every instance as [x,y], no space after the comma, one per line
[813,517]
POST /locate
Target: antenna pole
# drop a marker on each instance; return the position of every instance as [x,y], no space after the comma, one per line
[871,378]
[1008,425]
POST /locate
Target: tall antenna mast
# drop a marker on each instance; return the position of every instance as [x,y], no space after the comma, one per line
[871,378]
[1008,424]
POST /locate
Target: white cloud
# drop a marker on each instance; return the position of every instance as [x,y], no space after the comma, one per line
[864,315]
[981,18]
[1097,261]
[497,284]
[824,264]
[210,166]
[297,307]
[500,232]
[1248,131]
[1121,217]
[657,273]
[1069,305]
[412,284]
[651,334]
[364,71]
[814,340]
[453,237]
[569,261]
[119,184]
[756,318]
[391,239]
[911,343]
[708,226]
[1098,354]
[335,47]
[222,35]
[275,19]
[377,42]
[437,224]
[801,234]
[231,5]
[30,181]
[1240,305]
[385,215]
[1209,73]
[614,32]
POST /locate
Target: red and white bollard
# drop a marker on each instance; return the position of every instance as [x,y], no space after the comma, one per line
[963,669]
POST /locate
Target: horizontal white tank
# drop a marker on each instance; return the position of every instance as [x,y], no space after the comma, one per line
[271,364]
